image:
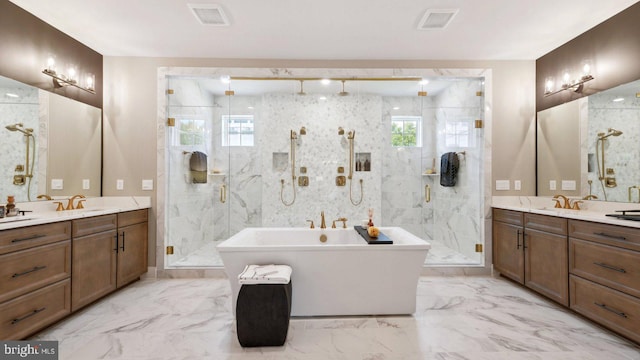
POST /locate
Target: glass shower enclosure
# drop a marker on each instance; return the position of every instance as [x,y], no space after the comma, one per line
[276,152]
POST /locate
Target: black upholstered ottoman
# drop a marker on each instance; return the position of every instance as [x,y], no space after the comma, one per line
[262,314]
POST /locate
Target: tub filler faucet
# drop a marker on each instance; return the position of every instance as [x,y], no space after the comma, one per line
[323,224]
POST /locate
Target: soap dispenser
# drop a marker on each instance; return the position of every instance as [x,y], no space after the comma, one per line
[10,207]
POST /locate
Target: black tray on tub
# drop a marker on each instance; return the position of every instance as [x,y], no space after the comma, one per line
[381,239]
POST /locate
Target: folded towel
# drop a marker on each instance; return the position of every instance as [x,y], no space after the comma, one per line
[449,165]
[265,274]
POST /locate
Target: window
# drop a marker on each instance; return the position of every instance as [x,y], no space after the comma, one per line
[190,132]
[237,130]
[405,131]
[458,133]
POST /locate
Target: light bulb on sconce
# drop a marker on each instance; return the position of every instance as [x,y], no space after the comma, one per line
[51,63]
[72,75]
[90,82]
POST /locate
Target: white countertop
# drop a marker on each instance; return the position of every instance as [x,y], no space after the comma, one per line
[44,212]
[590,210]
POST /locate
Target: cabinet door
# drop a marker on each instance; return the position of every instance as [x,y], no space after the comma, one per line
[546,264]
[94,267]
[508,257]
[132,253]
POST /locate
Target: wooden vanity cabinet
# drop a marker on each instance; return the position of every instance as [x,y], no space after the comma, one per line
[508,254]
[532,250]
[132,245]
[604,262]
[35,287]
[94,259]
[109,251]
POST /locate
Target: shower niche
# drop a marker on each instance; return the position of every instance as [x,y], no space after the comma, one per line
[285,165]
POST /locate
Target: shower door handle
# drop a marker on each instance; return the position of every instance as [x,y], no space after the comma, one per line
[223,193]
[427,193]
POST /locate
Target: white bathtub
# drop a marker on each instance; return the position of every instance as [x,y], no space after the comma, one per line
[343,276]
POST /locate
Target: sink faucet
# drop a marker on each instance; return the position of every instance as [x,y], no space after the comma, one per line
[70,204]
[567,202]
[323,224]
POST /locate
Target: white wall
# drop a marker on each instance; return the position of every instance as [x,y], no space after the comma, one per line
[130,117]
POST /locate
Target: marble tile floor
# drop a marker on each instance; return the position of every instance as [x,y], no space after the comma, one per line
[207,256]
[461,318]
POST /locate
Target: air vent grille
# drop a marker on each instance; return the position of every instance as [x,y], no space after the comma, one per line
[209,14]
[437,19]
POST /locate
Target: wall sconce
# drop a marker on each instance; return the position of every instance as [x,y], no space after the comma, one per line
[567,84]
[71,79]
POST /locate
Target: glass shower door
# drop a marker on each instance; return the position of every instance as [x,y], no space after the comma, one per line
[197,165]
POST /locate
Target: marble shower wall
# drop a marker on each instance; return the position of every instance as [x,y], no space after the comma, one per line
[621,152]
[23,109]
[321,151]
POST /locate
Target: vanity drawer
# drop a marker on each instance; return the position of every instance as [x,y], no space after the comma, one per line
[132,217]
[621,236]
[27,314]
[551,224]
[27,270]
[94,224]
[508,216]
[611,266]
[618,311]
[30,236]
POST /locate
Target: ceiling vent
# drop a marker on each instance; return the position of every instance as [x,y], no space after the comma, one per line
[437,19]
[209,14]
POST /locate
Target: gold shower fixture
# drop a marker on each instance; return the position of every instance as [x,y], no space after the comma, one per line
[343,93]
[292,139]
[301,92]
[340,130]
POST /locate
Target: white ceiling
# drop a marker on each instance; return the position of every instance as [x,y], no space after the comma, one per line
[326,29]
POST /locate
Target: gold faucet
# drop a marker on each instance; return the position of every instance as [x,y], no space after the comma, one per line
[44,196]
[311,226]
[323,224]
[70,203]
[590,197]
[567,202]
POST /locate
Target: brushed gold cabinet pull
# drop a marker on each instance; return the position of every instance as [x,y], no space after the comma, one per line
[617,312]
[28,238]
[610,267]
[37,268]
[610,236]
[17,320]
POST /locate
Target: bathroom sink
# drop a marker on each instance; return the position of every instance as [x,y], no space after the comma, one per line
[14,219]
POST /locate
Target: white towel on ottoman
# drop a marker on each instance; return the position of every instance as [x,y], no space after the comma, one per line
[265,274]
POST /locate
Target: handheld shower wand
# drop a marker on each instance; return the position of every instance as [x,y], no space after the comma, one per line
[31,142]
[293,137]
[351,137]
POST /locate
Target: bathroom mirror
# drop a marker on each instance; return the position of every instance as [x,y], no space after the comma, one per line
[589,147]
[64,135]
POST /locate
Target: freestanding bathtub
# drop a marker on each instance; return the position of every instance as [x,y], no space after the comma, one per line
[342,276]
